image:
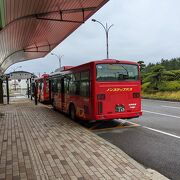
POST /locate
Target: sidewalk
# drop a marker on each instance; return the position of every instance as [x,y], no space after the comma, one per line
[38,143]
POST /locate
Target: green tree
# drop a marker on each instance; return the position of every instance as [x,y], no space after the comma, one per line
[142,65]
[157,76]
[169,76]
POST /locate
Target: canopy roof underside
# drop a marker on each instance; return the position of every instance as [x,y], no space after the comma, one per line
[30,29]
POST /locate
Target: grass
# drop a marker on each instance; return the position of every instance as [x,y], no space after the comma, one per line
[175,95]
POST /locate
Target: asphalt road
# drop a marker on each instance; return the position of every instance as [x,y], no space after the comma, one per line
[156,142]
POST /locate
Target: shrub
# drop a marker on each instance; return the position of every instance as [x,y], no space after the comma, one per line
[169,86]
[145,86]
[163,95]
[177,74]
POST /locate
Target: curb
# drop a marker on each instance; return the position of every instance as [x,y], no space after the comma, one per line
[155,175]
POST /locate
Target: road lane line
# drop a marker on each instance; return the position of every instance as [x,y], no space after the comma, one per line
[171,107]
[168,115]
[126,121]
[162,132]
[156,130]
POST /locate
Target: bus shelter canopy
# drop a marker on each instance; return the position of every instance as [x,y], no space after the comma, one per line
[19,75]
[30,29]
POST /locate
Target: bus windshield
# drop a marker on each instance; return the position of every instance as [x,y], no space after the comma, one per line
[116,72]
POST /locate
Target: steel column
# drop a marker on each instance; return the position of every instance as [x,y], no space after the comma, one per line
[50,100]
[28,87]
[7,89]
[35,94]
[1,91]
[30,80]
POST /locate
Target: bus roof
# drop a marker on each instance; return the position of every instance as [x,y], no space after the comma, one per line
[42,76]
[104,61]
[63,68]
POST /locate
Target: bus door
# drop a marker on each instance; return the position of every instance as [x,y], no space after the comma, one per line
[62,94]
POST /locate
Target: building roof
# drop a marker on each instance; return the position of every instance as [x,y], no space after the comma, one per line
[30,29]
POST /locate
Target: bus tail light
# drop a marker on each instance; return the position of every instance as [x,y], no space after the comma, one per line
[101,97]
[136,95]
[100,107]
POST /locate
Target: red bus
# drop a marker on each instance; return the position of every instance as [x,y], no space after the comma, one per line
[98,90]
[42,85]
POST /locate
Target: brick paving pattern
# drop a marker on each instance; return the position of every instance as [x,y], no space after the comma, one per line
[39,143]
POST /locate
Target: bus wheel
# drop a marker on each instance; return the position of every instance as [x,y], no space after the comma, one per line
[72,112]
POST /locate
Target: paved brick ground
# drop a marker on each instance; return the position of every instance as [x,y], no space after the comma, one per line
[39,143]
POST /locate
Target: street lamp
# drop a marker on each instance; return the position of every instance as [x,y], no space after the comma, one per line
[106,28]
[59,58]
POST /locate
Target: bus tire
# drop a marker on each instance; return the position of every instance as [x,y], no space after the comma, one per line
[72,112]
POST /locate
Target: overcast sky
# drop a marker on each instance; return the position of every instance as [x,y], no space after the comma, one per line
[145,30]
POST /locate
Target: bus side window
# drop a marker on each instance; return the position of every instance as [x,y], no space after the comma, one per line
[47,85]
[59,85]
[55,85]
[40,85]
[77,83]
[74,84]
[85,84]
[52,85]
[71,84]
[66,85]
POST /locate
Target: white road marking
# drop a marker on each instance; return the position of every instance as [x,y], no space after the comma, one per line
[162,132]
[126,121]
[156,130]
[171,107]
[168,115]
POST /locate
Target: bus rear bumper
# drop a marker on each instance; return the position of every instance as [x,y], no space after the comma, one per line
[118,116]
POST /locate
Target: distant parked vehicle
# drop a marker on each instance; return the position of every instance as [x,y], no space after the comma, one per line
[42,88]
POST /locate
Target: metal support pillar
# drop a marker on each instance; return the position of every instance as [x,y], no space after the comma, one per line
[7,89]
[28,87]
[1,91]
[30,81]
[35,94]
[50,100]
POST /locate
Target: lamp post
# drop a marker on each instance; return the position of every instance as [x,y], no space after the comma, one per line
[106,28]
[59,58]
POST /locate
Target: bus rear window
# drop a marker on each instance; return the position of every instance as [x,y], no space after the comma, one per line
[116,72]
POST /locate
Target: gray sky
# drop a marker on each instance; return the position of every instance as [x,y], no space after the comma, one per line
[145,30]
